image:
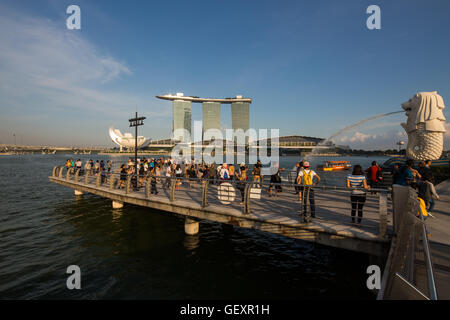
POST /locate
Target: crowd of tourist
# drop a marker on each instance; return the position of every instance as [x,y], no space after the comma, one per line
[421,179]
[167,171]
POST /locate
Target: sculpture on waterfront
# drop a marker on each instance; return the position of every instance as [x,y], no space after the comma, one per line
[126,140]
[425,126]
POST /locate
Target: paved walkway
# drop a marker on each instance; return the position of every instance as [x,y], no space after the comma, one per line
[440,240]
[280,214]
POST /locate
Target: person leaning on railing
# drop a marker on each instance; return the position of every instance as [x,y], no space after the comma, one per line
[358,182]
[427,191]
[153,181]
[275,180]
[122,177]
[179,174]
[68,164]
[256,173]
[87,167]
[241,176]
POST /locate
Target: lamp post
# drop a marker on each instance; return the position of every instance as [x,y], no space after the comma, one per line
[400,143]
[136,122]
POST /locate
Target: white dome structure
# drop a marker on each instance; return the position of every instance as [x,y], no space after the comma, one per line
[126,140]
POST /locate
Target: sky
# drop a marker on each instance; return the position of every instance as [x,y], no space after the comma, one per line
[311,67]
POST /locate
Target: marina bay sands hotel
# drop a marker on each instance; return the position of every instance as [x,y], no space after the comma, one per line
[182,111]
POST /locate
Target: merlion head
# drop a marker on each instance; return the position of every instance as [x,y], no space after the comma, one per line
[425,125]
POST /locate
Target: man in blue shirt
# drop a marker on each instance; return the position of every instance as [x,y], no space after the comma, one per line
[406,175]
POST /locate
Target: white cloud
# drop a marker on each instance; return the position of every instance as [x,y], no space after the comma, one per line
[47,69]
[370,141]
[45,60]
[358,137]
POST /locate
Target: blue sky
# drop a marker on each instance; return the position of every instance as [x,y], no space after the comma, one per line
[311,67]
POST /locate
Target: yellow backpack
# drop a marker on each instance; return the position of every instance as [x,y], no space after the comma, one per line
[423,208]
[307,178]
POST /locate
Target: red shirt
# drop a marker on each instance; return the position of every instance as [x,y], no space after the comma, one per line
[373,170]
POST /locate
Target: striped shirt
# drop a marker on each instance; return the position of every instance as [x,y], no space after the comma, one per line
[356,182]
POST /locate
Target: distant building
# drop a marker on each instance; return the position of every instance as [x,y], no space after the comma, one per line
[240,115]
[211,115]
[182,113]
[126,140]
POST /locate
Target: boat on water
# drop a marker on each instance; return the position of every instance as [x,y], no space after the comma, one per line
[334,166]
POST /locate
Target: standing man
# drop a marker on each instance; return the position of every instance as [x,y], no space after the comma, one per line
[374,175]
[405,177]
[306,178]
[241,176]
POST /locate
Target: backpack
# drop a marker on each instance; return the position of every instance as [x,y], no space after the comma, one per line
[307,178]
[423,207]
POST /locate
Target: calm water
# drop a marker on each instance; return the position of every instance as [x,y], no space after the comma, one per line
[139,253]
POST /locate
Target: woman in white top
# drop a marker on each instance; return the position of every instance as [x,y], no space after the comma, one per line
[358,183]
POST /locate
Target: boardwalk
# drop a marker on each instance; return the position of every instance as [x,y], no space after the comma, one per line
[440,240]
[279,215]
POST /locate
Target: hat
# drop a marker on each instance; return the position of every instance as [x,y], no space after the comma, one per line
[306,164]
[242,164]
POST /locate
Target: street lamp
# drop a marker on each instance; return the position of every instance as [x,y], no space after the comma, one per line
[136,122]
[400,143]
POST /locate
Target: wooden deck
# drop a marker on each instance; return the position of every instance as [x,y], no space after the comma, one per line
[280,215]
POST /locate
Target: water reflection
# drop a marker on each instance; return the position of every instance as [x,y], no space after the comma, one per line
[191,242]
[116,214]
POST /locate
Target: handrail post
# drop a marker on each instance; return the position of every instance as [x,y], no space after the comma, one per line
[54,171]
[427,257]
[147,185]
[204,193]
[412,252]
[112,179]
[86,176]
[127,187]
[382,200]
[77,174]
[97,181]
[173,183]
[60,173]
[68,174]
[247,198]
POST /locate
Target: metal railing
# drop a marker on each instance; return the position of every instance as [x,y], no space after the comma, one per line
[331,203]
[409,269]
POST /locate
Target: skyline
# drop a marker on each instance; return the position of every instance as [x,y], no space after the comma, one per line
[311,69]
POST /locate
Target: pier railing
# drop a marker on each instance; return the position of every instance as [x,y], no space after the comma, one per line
[331,203]
[409,269]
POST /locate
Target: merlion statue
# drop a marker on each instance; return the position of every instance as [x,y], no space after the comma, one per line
[425,126]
